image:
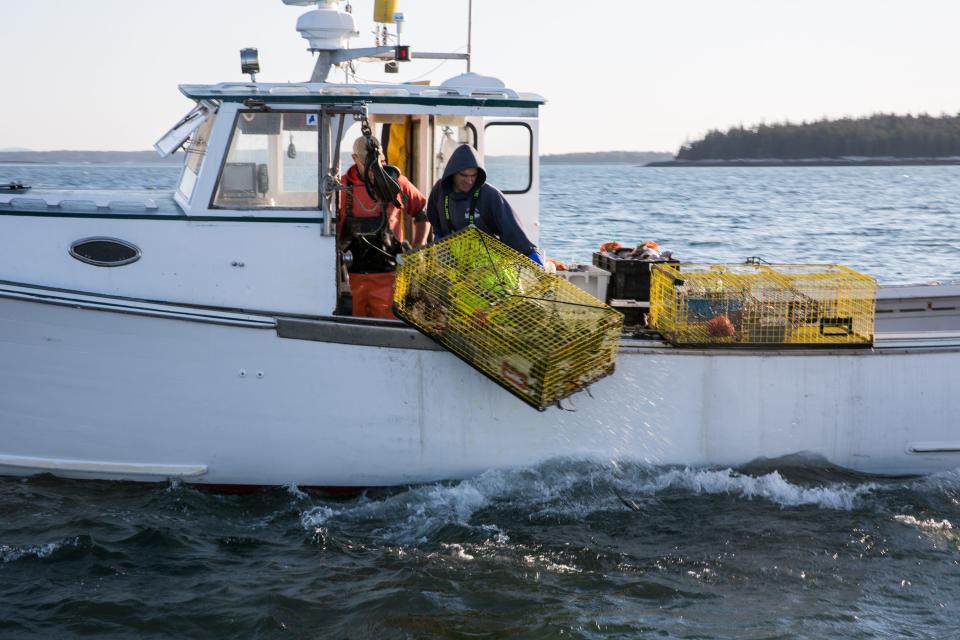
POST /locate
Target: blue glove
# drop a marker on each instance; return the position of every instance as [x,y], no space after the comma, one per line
[536,257]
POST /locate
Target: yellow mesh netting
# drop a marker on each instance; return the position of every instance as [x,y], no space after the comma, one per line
[531,332]
[749,304]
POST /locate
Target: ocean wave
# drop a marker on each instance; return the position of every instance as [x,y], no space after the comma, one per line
[929,524]
[13,553]
[559,491]
[411,516]
[771,486]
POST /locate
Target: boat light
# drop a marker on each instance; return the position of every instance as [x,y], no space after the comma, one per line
[250,62]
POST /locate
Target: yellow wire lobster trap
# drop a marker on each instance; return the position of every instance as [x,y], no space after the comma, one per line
[762,304]
[533,333]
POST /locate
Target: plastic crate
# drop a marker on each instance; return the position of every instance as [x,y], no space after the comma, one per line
[746,305]
[634,311]
[533,333]
[629,277]
[588,278]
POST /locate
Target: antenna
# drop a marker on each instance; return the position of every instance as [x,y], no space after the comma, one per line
[469,32]
[328,29]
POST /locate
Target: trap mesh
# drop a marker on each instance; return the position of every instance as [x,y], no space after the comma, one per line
[749,304]
[533,333]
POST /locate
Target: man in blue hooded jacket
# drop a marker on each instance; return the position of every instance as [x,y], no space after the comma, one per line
[463,196]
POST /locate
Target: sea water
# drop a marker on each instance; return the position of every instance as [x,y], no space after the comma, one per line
[899,224]
[566,549]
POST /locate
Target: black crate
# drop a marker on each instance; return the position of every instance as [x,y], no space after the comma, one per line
[634,312]
[629,277]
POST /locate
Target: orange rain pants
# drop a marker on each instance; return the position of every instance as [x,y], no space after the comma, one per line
[372,294]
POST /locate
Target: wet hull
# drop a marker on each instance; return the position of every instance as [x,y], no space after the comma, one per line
[153,392]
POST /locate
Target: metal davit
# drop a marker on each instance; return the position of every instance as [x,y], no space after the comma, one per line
[533,333]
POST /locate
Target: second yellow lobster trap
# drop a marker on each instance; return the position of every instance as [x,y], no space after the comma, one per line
[533,333]
[762,304]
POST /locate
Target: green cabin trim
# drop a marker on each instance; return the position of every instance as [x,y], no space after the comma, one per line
[306,99]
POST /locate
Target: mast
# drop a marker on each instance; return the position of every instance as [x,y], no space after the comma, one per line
[328,30]
[469,33]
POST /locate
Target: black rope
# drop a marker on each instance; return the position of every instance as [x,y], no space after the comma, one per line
[380,185]
[502,282]
[493,263]
[376,248]
[575,304]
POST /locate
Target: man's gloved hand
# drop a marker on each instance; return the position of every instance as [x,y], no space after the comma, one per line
[536,257]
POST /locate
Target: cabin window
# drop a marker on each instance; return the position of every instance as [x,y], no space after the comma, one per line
[508,156]
[196,152]
[273,161]
[105,252]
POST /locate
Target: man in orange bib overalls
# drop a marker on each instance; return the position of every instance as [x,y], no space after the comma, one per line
[372,231]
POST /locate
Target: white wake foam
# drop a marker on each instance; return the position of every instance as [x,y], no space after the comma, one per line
[9,553]
[927,525]
[407,517]
[561,490]
[771,486]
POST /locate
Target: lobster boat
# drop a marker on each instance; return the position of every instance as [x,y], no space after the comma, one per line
[204,335]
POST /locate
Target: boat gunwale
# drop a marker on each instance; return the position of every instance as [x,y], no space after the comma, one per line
[394,334]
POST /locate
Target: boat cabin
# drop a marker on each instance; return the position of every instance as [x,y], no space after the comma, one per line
[274,152]
[251,223]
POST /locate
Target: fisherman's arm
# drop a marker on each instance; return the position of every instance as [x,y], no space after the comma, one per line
[511,232]
[433,218]
[416,209]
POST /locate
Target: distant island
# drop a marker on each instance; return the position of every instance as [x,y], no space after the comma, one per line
[607,157]
[880,139]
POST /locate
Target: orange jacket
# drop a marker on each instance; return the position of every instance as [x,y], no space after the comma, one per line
[365,207]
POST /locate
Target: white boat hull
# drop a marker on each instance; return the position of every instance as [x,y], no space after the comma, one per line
[153,393]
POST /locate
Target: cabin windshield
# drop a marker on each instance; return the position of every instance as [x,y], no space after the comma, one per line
[272,162]
[196,152]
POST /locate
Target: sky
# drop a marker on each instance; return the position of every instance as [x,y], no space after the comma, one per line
[618,75]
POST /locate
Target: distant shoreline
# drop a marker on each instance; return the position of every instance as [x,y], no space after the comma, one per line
[607,157]
[813,162]
[87,157]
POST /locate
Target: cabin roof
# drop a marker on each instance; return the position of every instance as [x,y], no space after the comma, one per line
[325,92]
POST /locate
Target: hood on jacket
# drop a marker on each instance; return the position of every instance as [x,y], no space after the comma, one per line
[464,157]
[353,176]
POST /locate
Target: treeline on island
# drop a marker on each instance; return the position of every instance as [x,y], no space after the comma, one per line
[879,135]
[606,157]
